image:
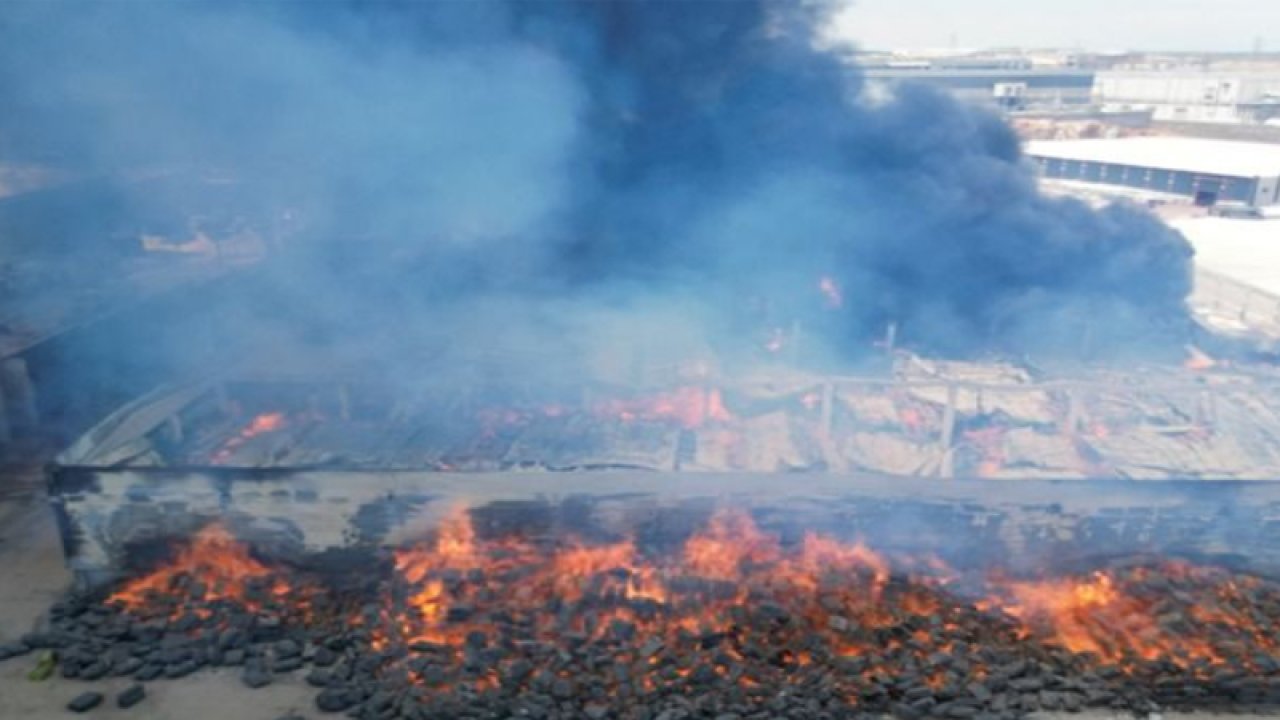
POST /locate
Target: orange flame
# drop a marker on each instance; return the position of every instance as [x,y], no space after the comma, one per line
[731,549]
[213,557]
[1095,615]
[730,540]
[454,548]
[821,554]
[261,424]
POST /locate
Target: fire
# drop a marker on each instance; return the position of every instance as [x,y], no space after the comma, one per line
[264,423]
[731,549]
[1068,607]
[1130,619]
[576,564]
[454,548]
[734,604]
[692,407]
[730,540]
[213,558]
[832,295]
[821,554]
[824,582]
[260,425]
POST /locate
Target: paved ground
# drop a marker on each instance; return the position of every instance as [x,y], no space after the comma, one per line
[32,576]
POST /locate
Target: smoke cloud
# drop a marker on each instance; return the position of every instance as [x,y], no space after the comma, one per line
[583,178]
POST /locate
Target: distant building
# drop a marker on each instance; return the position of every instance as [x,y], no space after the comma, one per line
[1009,86]
[1193,96]
[1013,81]
[1207,171]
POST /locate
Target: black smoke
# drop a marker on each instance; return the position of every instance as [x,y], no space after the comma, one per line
[508,176]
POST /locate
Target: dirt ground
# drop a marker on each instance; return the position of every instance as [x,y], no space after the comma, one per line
[32,576]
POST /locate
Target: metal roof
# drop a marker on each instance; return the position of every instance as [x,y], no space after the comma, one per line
[1212,157]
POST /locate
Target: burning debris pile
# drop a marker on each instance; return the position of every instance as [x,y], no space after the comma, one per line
[729,621]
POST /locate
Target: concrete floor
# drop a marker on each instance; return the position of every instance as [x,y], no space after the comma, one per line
[32,576]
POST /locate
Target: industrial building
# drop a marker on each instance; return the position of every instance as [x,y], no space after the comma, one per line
[1193,96]
[1207,171]
[1010,89]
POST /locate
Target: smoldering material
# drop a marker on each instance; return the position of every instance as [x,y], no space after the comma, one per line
[534,168]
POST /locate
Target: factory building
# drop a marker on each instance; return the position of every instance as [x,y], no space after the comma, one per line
[1193,96]
[1207,171]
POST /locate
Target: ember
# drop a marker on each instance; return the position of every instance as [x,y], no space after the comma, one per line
[739,622]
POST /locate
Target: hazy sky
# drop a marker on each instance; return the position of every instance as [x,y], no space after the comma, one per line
[1216,25]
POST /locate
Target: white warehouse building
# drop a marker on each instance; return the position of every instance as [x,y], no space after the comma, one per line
[1207,171]
[1192,96]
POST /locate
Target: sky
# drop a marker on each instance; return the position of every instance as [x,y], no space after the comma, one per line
[1194,25]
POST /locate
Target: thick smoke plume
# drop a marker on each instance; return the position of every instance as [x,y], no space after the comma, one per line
[572,177]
